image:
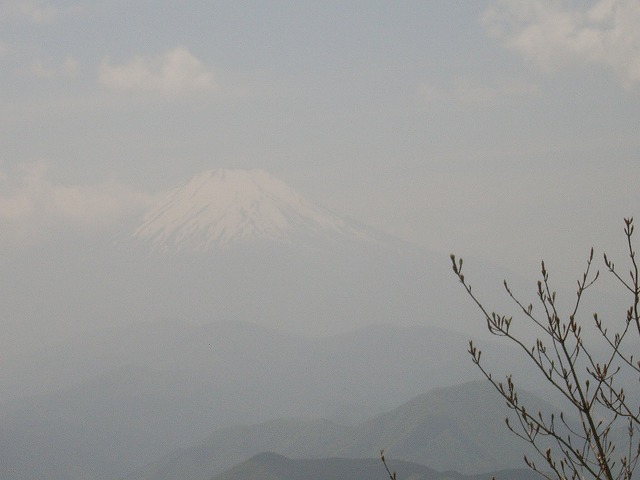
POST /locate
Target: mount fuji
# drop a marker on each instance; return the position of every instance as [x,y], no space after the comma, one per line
[234,245]
[220,208]
[235,300]
[243,245]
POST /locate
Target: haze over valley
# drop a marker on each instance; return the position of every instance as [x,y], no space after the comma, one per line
[234,301]
[226,229]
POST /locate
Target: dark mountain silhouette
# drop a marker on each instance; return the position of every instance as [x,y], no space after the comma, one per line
[457,428]
[270,466]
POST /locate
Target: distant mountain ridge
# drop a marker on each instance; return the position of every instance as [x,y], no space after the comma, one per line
[459,428]
[218,208]
[148,390]
[152,387]
[277,467]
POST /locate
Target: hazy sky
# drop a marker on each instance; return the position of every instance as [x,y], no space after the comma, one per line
[503,129]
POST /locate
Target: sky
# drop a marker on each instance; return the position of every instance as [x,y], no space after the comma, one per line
[500,129]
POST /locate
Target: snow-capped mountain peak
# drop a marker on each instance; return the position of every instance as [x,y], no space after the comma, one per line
[223,207]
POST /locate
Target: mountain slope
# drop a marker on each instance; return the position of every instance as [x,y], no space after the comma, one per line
[457,428]
[227,447]
[460,427]
[223,207]
[165,386]
[104,427]
[322,276]
[332,374]
[269,466]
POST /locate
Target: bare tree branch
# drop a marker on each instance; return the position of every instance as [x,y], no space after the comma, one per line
[591,384]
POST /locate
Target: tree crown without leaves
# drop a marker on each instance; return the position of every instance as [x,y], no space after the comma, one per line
[604,442]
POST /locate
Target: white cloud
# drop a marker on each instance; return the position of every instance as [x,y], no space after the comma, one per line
[32,206]
[552,35]
[47,68]
[35,12]
[175,72]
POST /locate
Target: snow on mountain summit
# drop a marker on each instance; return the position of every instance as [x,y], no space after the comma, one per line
[223,207]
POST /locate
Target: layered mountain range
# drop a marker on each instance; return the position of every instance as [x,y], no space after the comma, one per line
[277,467]
[457,428]
[233,301]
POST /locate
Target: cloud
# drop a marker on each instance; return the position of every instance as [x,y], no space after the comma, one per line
[32,206]
[467,92]
[47,68]
[552,35]
[35,12]
[176,72]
